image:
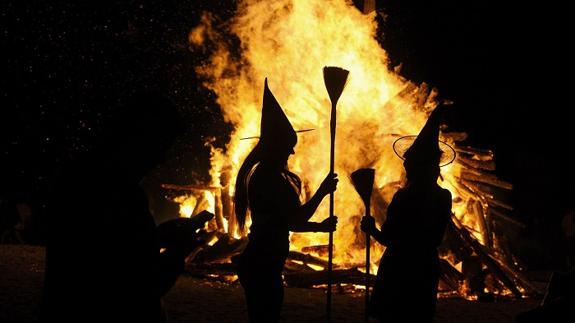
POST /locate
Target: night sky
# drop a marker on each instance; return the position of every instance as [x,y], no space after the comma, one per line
[66,66]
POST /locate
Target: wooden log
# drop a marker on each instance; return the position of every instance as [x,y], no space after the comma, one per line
[472,269]
[222,250]
[501,215]
[513,275]
[228,212]
[489,198]
[218,210]
[296,266]
[407,91]
[486,259]
[450,276]
[455,136]
[480,192]
[227,201]
[307,259]
[467,191]
[485,178]
[190,187]
[491,192]
[500,204]
[477,164]
[321,250]
[222,272]
[422,95]
[482,154]
[452,246]
[461,191]
[527,286]
[339,276]
[485,228]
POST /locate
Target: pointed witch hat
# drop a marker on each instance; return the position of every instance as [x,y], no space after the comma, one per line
[426,148]
[275,128]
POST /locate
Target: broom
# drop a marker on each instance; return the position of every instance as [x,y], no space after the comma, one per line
[362,180]
[335,79]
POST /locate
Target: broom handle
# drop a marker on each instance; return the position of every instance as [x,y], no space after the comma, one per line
[331,205]
[367,264]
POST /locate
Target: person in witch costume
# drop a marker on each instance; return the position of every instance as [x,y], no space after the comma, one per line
[408,275]
[270,191]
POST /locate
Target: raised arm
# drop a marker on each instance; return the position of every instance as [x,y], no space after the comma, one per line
[299,221]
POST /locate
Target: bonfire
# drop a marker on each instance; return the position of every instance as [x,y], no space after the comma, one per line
[289,42]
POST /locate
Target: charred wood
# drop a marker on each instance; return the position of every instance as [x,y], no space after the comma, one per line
[340,276]
[477,176]
[497,203]
[477,164]
[218,211]
[455,136]
[198,188]
[222,250]
[307,259]
[485,258]
[482,154]
[321,250]
[501,215]
[422,95]
[450,276]
[485,227]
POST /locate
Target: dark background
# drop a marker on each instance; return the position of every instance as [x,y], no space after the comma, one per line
[507,67]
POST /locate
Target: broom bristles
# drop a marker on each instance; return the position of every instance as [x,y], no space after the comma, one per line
[362,180]
[335,79]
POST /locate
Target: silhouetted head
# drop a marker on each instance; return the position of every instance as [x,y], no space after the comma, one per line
[423,158]
[141,132]
[421,171]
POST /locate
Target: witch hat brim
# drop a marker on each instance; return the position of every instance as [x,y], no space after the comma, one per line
[426,148]
[402,144]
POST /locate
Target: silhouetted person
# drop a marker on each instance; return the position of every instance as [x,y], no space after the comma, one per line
[408,275]
[271,192]
[102,255]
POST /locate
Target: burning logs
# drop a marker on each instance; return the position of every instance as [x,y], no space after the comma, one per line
[482,154]
[450,276]
[492,180]
[221,250]
[320,250]
[338,276]
[507,218]
[307,259]
[477,164]
[484,256]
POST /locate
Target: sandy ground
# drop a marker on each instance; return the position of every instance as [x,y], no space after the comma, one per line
[198,300]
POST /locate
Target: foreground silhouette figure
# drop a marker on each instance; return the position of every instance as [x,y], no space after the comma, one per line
[271,192]
[102,255]
[408,275]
